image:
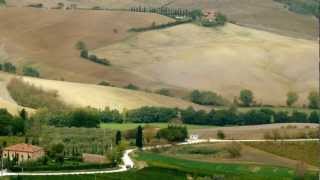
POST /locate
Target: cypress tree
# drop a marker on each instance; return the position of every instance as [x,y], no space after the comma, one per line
[139,137]
[118,137]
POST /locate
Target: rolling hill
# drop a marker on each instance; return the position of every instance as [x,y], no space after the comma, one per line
[48,43]
[224,60]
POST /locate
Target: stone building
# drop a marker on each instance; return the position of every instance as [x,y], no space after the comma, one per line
[24,152]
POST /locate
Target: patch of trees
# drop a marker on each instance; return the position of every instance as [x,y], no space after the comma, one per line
[207,98]
[30,71]
[310,7]
[12,125]
[8,67]
[36,5]
[84,53]
[173,133]
[151,114]
[3,2]
[155,26]
[80,117]
[253,117]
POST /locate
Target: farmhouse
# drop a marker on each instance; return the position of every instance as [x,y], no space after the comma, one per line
[23,152]
[209,15]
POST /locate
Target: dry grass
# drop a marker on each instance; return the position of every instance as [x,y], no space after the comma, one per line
[96,96]
[224,60]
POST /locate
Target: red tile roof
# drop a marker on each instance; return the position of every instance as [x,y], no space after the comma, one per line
[23,148]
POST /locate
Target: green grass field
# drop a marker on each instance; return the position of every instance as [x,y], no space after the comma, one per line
[231,171]
[126,126]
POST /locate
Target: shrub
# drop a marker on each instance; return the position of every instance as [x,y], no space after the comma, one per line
[132,87]
[81,45]
[220,134]
[246,97]
[30,71]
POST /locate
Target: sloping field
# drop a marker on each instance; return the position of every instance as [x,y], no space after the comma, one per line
[46,39]
[100,96]
[224,60]
[13,108]
[261,14]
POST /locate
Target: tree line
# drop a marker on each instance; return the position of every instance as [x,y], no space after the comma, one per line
[26,71]
[84,53]
[252,117]
[166,11]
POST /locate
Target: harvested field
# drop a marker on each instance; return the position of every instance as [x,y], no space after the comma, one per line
[224,60]
[266,15]
[48,43]
[255,131]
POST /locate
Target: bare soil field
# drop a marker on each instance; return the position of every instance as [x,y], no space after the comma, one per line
[96,96]
[261,14]
[224,60]
[255,131]
[46,40]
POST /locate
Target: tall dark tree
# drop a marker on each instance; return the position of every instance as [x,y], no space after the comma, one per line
[139,137]
[118,137]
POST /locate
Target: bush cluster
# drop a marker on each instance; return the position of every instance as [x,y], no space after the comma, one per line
[173,133]
[30,71]
[207,98]
[8,67]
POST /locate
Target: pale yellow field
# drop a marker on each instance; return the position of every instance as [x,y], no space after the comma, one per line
[224,60]
[78,94]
